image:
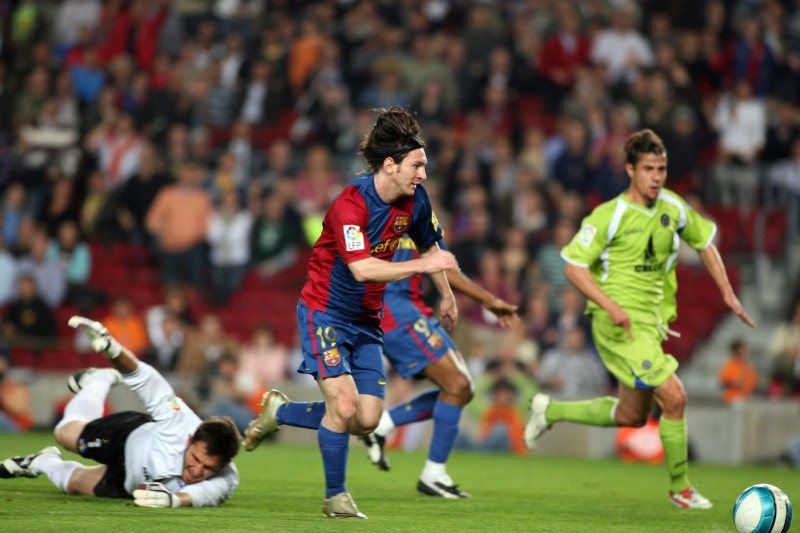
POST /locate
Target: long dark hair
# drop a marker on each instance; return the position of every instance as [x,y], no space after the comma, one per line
[395,134]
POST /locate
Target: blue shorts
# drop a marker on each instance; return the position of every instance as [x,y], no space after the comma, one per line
[332,347]
[415,344]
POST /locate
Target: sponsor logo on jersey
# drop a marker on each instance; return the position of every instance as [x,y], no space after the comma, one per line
[332,357]
[381,382]
[173,403]
[389,245]
[405,243]
[400,224]
[651,263]
[435,341]
[586,236]
[353,238]
[665,220]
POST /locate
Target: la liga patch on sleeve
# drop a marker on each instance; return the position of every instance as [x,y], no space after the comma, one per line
[353,238]
[587,235]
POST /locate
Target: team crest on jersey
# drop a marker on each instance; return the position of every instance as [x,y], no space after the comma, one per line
[332,357]
[353,238]
[665,220]
[400,224]
[435,341]
[646,365]
[587,235]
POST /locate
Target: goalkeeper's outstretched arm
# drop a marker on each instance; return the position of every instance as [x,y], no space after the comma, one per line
[121,358]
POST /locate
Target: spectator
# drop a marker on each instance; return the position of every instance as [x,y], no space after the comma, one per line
[125,325]
[262,100]
[118,147]
[8,274]
[564,52]
[29,321]
[264,362]
[138,193]
[740,120]
[737,376]
[178,220]
[229,232]
[276,236]
[75,259]
[15,402]
[784,351]
[572,371]
[621,50]
[51,282]
[13,211]
[205,347]
[167,324]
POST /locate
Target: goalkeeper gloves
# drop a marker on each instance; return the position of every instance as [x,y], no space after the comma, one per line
[101,341]
[153,494]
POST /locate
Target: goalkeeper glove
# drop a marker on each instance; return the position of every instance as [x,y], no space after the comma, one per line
[153,494]
[101,341]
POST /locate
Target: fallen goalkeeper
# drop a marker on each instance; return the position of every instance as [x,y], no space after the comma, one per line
[166,457]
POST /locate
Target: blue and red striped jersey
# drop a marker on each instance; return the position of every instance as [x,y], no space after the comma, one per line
[358,225]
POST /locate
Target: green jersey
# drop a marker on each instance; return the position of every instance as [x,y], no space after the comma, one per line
[632,250]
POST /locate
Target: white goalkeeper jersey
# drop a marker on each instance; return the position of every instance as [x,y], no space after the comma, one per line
[154,451]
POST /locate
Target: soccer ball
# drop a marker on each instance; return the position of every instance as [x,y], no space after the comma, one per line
[762,509]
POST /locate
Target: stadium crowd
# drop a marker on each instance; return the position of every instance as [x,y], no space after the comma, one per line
[212,136]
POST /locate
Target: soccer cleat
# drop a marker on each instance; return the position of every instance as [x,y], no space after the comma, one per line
[537,422]
[81,378]
[341,506]
[375,444]
[22,465]
[267,422]
[443,487]
[689,498]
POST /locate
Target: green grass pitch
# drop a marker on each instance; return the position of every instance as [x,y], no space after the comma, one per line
[281,490]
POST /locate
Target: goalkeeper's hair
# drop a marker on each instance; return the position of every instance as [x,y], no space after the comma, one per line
[395,133]
[643,142]
[220,436]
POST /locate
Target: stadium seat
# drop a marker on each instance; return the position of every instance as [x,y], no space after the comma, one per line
[22,357]
[60,359]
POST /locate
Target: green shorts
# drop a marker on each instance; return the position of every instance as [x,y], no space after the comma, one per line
[639,363]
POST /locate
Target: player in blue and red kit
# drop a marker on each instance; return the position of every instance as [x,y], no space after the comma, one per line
[417,345]
[340,306]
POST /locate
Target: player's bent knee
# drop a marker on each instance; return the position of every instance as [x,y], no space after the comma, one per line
[67,435]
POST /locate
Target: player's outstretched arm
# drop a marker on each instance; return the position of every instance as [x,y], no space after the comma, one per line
[120,357]
[581,278]
[374,270]
[505,312]
[713,263]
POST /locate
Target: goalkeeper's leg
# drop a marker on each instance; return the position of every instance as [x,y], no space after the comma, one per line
[87,405]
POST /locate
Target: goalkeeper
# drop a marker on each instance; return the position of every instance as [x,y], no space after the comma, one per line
[166,457]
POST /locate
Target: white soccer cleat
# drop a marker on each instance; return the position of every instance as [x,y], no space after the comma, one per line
[81,378]
[689,498]
[267,422]
[102,342]
[443,487]
[537,422]
[22,465]
[341,506]
[375,444]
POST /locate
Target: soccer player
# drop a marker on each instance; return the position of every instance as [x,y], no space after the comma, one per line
[623,260]
[166,457]
[417,345]
[339,310]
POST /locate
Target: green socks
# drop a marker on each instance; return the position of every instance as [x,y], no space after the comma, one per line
[596,412]
[676,451]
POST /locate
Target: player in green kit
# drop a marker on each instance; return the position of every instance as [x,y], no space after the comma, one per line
[623,260]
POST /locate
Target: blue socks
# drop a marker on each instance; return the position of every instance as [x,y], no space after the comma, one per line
[301,414]
[418,409]
[445,430]
[334,448]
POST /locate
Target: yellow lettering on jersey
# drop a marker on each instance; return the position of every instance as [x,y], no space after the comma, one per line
[389,245]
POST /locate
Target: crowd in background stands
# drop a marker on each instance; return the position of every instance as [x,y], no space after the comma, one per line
[217,133]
